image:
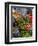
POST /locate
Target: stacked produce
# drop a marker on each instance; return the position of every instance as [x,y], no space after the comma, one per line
[24,23]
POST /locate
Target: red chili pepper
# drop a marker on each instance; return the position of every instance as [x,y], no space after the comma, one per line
[30,17]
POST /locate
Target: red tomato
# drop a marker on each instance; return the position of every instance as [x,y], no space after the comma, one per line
[28,26]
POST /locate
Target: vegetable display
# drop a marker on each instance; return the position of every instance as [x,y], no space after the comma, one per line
[24,23]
